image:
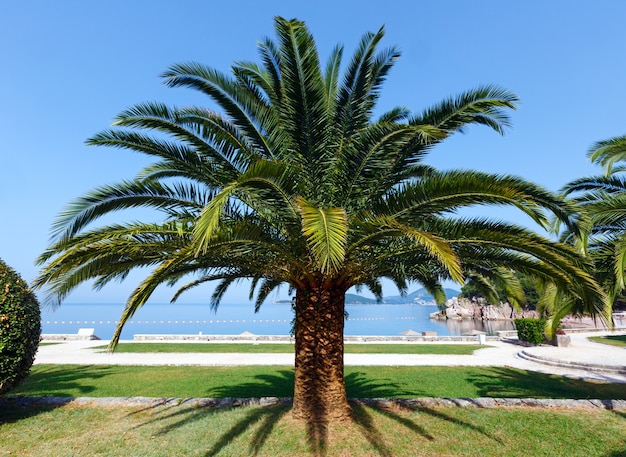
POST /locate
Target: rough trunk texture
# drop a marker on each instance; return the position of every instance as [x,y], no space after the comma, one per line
[320,391]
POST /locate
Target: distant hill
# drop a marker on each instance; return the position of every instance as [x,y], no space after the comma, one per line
[420,296]
[354,299]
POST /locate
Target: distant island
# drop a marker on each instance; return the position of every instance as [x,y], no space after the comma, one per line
[418,297]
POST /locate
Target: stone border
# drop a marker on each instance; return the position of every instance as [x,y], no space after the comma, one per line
[277,338]
[412,403]
[290,339]
[619,369]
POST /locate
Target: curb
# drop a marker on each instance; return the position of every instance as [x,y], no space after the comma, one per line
[619,369]
[414,403]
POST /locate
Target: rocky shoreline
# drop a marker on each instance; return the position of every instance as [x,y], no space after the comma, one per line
[477,309]
[464,308]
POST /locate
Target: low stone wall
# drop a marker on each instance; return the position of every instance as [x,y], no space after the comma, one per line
[229,338]
[68,337]
[289,339]
[408,403]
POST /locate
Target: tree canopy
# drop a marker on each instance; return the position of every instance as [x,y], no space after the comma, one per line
[603,199]
[298,179]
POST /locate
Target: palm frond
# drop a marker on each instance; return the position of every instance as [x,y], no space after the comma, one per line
[127,194]
[325,230]
[484,105]
[304,107]
[607,152]
[225,91]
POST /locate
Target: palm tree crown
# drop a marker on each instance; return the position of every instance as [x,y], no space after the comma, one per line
[603,198]
[296,182]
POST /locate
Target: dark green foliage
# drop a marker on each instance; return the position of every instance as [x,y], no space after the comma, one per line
[469,290]
[528,283]
[20,328]
[530,290]
[619,302]
[603,199]
[531,330]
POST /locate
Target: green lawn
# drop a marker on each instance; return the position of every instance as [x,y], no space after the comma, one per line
[264,348]
[613,340]
[260,381]
[270,431]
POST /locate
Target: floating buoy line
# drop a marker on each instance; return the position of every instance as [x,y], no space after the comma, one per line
[209,321]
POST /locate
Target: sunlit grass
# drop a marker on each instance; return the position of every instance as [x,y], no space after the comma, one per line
[613,340]
[277,381]
[274,348]
[270,431]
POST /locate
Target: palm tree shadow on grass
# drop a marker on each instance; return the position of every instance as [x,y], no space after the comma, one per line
[64,380]
[397,413]
[15,407]
[357,385]
[263,419]
[260,421]
[515,383]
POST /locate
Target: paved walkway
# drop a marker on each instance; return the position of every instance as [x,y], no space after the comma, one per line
[582,359]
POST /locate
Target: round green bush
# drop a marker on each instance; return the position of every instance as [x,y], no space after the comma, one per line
[531,330]
[20,328]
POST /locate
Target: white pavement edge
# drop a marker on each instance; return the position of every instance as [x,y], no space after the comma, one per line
[495,353]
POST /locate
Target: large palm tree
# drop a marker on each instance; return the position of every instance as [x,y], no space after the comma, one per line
[294,182]
[603,198]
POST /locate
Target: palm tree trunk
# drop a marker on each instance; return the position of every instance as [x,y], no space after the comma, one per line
[320,391]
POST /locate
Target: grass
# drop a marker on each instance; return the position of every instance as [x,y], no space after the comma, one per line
[272,348]
[613,340]
[270,431]
[261,381]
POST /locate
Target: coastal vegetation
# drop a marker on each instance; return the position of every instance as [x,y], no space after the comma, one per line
[298,179]
[20,328]
[528,284]
[603,199]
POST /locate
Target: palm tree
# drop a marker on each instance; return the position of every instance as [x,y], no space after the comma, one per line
[294,182]
[603,198]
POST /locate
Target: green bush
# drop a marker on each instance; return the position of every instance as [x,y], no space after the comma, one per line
[20,328]
[531,330]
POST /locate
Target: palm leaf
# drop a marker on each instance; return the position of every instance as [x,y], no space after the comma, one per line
[484,105]
[325,230]
[607,152]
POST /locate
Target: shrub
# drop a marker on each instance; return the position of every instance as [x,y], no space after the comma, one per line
[20,328]
[531,330]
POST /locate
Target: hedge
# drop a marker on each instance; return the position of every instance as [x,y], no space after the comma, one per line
[531,330]
[20,328]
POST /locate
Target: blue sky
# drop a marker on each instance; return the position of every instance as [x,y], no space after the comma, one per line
[69,67]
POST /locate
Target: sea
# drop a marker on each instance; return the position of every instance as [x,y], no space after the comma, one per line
[235,319]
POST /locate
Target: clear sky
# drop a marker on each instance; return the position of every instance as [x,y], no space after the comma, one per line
[69,67]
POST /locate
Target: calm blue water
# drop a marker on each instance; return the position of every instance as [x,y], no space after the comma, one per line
[233,319]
